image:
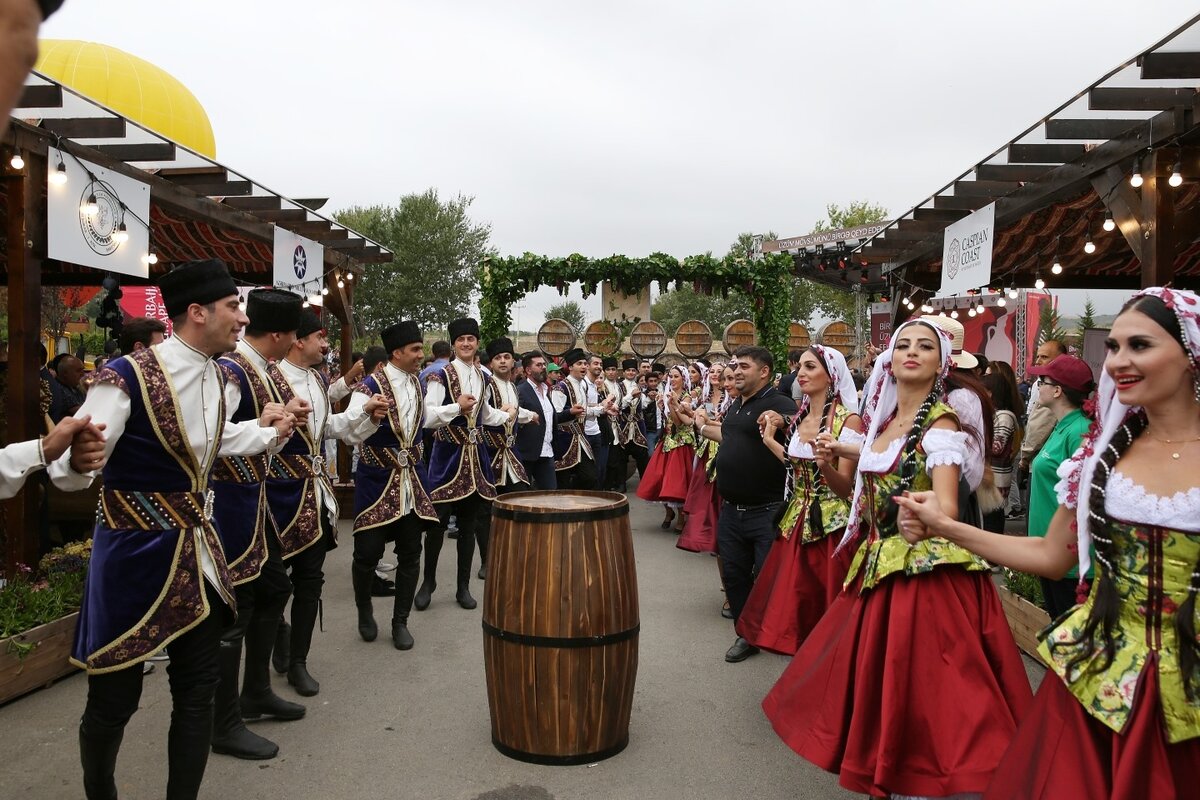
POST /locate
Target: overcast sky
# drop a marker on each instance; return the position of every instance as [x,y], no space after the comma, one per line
[624,127]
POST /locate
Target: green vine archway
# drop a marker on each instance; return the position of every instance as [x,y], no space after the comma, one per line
[768,282]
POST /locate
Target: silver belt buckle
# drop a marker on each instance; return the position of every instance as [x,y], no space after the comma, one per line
[510,440]
[473,435]
[318,464]
[402,458]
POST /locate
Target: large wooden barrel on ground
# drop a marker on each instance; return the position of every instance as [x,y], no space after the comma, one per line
[838,335]
[556,337]
[798,337]
[602,338]
[560,626]
[737,333]
[693,339]
[648,339]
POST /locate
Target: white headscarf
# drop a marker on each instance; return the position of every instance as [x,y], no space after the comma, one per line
[664,397]
[1111,413]
[840,378]
[880,403]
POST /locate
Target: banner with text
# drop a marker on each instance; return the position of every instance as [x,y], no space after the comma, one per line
[299,264]
[881,324]
[967,252]
[85,215]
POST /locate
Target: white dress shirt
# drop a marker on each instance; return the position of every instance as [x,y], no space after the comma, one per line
[339,390]
[471,383]
[195,381]
[591,402]
[350,426]
[17,462]
[543,395]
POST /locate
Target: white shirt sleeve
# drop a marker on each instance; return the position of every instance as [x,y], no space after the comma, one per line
[436,407]
[489,415]
[108,406]
[17,462]
[338,390]
[248,438]
[352,426]
[558,400]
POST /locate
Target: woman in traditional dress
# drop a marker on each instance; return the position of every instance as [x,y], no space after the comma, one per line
[669,472]
[911,684]
[1120,716]
[802,575]
[702,506]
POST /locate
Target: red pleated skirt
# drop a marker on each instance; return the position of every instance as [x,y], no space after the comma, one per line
[797,584]
[914,688]
[703,508]
[1062,751]
[668,475]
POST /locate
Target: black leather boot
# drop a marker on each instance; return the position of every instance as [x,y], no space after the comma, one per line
[98,755]
[483,532]
[189,739]
[304,619]
[281,656]
[230,735]
[466,554]
[433,549]
[367,628]
[258,700]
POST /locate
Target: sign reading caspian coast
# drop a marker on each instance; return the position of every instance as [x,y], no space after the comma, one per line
[967,252]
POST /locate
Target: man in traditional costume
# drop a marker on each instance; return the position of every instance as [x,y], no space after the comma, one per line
[575,459]
[460,472]
[507,469]
[612,386]
[391,502]
[248,534]
[158,576]
[299,492]
[631,422]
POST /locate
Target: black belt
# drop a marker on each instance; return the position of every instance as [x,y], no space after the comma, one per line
[760,507]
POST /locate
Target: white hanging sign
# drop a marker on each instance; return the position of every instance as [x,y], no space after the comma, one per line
[299,264]
[967,252]
[84,215]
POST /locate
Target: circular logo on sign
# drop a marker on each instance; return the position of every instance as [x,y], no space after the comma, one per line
[953,259]
[99,229]
[300,261]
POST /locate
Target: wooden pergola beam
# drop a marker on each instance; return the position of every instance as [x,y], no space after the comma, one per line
[1044,153]
[260,203]
[1097,129]
[1158,212]
[86,127]
[1157,66]
[945,215]
[313,229]
[226,189]
[968,202]
[283,215]
[1022,173]
[982,188]
[1139,99]
[146,151]
[1122,201]
[50,96]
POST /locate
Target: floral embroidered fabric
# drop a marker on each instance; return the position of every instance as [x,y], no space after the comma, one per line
[834,510]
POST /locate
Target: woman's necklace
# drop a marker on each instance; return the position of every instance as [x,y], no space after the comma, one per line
[1185,442]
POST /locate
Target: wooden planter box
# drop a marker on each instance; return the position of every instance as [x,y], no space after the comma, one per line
[41,666]
[1025,620]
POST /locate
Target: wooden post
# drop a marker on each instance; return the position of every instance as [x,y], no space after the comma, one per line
[24,328]
[1158,219]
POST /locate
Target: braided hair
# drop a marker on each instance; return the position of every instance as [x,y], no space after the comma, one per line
[908,456]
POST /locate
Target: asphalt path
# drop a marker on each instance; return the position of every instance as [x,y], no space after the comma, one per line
[398,725]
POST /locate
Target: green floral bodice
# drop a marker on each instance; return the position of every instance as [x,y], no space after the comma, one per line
[884,552]
[677,436]
[1151,571]
[835,511]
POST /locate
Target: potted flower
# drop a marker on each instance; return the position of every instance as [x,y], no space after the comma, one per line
[38,613]
[1021,596]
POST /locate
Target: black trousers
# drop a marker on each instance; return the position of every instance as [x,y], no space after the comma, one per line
[483,526]
[307,572]
[113,698]
[744,537]
[541,473]
[405,535]
[468,510]
[1060,595]
[260,606]
[580,476]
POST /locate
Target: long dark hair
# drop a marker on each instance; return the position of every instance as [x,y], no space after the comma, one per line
[1001,383]
[1106,607]
[830,399]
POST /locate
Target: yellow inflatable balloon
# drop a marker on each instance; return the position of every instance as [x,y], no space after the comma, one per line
[130,86]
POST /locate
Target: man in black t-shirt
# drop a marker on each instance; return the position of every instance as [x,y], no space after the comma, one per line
[750,480]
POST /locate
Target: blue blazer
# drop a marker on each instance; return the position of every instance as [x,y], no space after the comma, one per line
[531,435]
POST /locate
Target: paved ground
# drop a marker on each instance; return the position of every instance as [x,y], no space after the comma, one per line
[393,725]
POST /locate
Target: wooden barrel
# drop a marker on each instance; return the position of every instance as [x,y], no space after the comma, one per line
[648,339]
[602,338]
[737,333]
[556,337]
[838,335]
[798,337]
[693,339]
[560,626]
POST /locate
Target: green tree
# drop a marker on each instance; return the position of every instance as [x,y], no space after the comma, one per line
[570,312]
[671,309]
[860,212]
[1049,324]
[436,248]
[1088,320]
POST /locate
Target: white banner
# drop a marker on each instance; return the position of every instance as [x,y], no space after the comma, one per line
[967,252]
[299,264]
[92,236]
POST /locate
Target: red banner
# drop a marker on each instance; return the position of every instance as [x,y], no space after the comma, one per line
[144,301]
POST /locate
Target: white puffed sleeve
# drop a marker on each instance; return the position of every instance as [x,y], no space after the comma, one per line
[944,447]
[851,436]
[1069,473]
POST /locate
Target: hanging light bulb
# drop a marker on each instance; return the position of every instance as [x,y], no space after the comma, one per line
[971,311]
[59,176]
[324,291]
[350,276]
[122,235]
[16,161]
[150,258]
[1109,224]
[954,314]
[341,284]
[1089,247]
[90,206]
[1176,178]
[1038,283]
[1136,179]
[1012,292]
[1001,301]
[1056,269]
[927,309]
[305,303]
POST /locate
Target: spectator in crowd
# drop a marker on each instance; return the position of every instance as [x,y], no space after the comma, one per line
[652,413]
[1006,435]
[139,333]
[1063,386]
[442,353]
[788,381]
[1039,421]
[68,374]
